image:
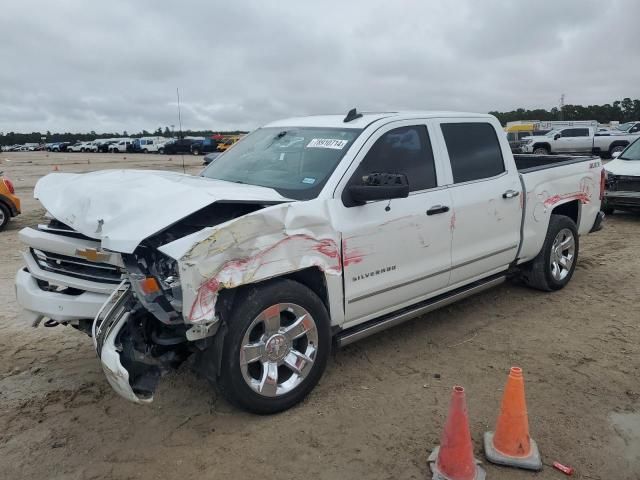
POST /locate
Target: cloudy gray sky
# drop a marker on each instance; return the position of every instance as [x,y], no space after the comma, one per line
[115,65]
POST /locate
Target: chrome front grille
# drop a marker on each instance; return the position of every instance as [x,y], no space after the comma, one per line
[77,267]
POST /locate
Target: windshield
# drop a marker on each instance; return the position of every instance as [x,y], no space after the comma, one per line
[625,126]
[551,133]
[632,152]
[294,161]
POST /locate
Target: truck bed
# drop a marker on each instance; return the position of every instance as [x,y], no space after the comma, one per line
[532,163]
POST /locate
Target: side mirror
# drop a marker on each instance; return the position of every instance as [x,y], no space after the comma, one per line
[557,136]
[379,186]
[616,154]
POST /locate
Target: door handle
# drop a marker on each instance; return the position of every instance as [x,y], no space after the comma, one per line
[436,209]
[510,194]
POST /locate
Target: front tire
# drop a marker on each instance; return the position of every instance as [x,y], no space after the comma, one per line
[5,215]
[276,348]
[553,267]
[541,151]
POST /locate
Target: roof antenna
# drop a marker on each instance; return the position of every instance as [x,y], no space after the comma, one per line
[352,115]
[180,126]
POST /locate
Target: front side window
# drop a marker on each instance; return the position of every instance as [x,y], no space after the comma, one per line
[294,161]
[402,150]
[474,151]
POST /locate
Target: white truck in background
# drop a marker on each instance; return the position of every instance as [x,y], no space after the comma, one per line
[309,231]
[577,140]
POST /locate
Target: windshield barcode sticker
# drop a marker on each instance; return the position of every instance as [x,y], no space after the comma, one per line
[327,143]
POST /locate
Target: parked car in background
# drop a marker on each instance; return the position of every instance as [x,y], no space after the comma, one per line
[207,145]
[147,144]
[310,231]
[179,145]
[629,127]
[227,143]
[103,145]
[82,147]
[120,146]
[58,146]
[623,180]
[9,202]
[577,140]
[210,157]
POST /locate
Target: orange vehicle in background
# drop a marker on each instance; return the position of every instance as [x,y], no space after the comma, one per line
[226,143]
[9,203]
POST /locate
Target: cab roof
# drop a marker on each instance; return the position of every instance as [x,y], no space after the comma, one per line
[338,120]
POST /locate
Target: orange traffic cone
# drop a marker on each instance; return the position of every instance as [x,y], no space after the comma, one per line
[510,444]
[453,459]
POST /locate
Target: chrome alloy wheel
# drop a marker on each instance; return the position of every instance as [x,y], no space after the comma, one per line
[2,217]
[278,349]
[562,254]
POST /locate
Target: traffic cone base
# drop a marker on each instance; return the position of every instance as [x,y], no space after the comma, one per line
[530,462]
[438,475]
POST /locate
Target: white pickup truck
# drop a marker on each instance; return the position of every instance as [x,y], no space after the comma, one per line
[578,140]
[309,230]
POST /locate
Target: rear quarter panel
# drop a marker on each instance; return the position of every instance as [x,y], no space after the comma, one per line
[549,188]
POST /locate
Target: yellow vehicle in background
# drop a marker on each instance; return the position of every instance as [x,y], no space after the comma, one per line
[9,202]
[226,143]
[515,134]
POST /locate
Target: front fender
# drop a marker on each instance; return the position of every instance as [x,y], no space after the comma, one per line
[264,244]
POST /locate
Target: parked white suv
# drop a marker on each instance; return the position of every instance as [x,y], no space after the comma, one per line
[308,230]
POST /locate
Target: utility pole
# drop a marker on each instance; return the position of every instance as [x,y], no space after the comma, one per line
[561,113]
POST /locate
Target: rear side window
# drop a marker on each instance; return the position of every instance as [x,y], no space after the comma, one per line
[474,151]
[402,150]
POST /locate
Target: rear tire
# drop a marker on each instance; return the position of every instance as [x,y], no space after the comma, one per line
[5,215]
[617,148]
[553,268]
[276,347]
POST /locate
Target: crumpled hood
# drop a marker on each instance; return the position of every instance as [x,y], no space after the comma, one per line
[123,207]
[623,167]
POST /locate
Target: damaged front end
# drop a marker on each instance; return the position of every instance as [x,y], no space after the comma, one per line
[135,349]
[140,333]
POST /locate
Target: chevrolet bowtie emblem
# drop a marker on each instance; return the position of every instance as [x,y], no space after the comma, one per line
[93,255]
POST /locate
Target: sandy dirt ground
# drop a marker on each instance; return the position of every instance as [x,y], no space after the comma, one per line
[380,407]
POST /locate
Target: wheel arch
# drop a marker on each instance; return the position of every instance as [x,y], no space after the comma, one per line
[571,209]
[618,143]
[313,278]
[543,145]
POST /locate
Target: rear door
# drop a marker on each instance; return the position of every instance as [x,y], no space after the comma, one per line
[395,252]
[485,224]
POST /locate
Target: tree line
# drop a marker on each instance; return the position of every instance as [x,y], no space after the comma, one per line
[625,110]
[13,138]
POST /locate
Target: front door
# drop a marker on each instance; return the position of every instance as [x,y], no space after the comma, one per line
[395,252]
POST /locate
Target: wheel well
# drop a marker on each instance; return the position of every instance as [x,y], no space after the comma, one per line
[619,143]
[544,145]
[311,277]
[569,209]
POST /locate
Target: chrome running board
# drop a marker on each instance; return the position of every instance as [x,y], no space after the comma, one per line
[372,327]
